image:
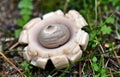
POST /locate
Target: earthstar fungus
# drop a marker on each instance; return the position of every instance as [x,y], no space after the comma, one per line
[57,37]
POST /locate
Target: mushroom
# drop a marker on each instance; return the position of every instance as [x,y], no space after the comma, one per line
[57,37]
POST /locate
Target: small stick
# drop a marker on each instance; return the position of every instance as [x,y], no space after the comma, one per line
[80,70]
[66,5]
[116,57]
[102,48]
[11,63]
[111,73]
[13,46]
[107,62]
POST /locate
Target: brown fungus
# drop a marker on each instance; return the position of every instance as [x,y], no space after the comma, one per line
[57,37]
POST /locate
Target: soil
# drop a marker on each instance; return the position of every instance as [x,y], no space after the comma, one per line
[9,14]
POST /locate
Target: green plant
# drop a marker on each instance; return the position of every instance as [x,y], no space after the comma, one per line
[115,3]
[26,8]
[96,31]
[97,66]
[64,72]
[27,67]
[106,29]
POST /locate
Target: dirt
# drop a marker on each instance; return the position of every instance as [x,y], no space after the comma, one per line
[9,13]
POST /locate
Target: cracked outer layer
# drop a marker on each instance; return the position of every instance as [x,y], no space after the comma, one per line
[68,47]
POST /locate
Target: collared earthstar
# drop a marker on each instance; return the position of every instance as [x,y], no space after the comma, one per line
[57,37]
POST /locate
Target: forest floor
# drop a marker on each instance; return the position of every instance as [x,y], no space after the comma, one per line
[100,59]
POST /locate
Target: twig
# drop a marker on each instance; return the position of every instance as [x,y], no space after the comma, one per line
[11,63]
[114,63]
[111,73]
[117,57]
[3,74]
[117,47]
[13,46]
[54,74]
[66,5]
[107,63]
[101,48]
[99,44]
[80,70]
